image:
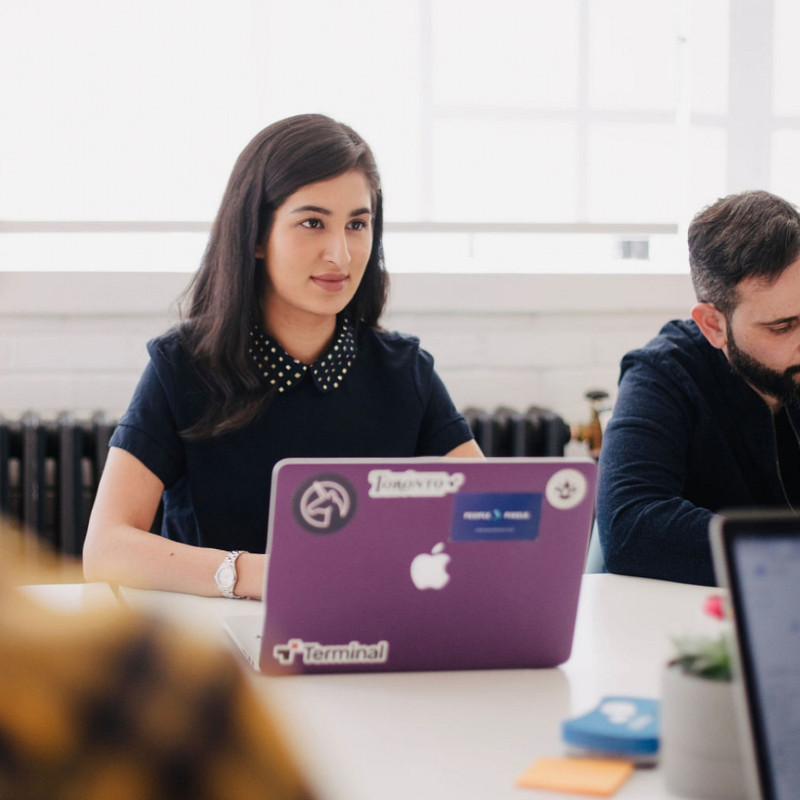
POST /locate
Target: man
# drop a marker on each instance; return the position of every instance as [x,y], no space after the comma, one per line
[708,413]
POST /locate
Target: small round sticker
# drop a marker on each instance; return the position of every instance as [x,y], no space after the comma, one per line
[325,503]
[566,489]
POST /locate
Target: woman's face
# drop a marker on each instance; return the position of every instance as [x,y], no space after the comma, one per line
[318,248]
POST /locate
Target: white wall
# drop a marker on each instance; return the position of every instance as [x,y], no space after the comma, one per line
[75,341]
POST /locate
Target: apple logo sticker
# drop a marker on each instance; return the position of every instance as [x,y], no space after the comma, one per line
[429,570]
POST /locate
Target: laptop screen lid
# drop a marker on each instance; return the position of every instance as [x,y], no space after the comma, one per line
[420,564]
[757,557]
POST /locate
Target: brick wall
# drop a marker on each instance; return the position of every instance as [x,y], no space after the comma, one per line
[75,341]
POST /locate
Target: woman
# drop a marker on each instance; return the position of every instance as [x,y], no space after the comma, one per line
[280,355]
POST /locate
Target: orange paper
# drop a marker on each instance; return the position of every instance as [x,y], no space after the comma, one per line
[593,776]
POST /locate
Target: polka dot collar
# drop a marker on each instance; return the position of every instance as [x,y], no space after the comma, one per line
[280,371]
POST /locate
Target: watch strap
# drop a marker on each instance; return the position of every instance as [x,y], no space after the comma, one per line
[228,565]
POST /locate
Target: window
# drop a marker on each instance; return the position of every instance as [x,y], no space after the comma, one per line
[517,135]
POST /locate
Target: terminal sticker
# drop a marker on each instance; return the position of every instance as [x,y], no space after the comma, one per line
[496,516]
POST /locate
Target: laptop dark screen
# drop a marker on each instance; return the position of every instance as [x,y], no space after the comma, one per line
[758,557]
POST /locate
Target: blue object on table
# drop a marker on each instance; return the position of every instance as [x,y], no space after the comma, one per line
[620,726]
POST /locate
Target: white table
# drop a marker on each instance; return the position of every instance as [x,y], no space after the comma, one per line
[461,735]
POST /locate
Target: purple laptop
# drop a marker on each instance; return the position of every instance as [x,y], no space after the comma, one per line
[422,564]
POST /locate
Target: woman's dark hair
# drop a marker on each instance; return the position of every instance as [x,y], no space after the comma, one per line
[224,298]
[749,235]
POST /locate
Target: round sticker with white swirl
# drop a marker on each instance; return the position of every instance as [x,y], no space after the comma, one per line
[325,503]
[565,489]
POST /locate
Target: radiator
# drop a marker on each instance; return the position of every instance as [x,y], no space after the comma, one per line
[49,469]
[48,475]
[507,432]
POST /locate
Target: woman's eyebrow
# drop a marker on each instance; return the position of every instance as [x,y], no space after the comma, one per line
[327,212]
[313,209]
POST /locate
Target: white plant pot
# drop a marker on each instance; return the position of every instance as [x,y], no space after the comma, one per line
[700,754]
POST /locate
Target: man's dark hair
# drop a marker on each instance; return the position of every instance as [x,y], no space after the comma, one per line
[748,235]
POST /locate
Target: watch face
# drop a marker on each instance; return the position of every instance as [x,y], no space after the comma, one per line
[226,576]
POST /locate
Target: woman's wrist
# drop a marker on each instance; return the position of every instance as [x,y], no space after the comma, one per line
[250,568]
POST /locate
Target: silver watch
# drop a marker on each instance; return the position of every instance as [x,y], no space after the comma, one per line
[226,575]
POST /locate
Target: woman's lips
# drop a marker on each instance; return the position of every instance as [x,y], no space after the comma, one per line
[330,283]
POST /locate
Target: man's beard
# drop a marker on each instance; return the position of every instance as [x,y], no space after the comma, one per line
[780,385]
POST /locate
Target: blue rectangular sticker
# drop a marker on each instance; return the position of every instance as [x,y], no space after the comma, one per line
[496,516]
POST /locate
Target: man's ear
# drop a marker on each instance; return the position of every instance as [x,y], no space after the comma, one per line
[712,323]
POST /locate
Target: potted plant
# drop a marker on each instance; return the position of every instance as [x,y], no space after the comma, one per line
[700,753]
[705,657]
